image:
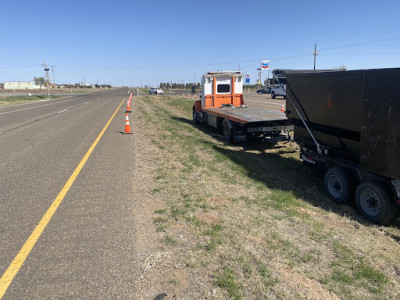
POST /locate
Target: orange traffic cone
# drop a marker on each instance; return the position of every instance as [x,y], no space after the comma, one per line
[128,107]
[283,107]
[127,126]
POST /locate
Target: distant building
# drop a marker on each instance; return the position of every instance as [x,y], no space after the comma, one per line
[21,85]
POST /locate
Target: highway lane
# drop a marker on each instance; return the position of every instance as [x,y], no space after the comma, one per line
[86,249]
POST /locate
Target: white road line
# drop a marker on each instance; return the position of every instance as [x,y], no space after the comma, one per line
[62,111]
[86,102]
[263,102]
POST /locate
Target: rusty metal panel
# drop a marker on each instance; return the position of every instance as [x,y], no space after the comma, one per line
[380,131]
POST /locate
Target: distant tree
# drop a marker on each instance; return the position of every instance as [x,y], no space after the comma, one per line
[39,81]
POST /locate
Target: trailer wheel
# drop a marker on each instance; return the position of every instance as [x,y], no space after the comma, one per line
[195,117]
[227,129]
[375,202]
[273,95]
[339,185]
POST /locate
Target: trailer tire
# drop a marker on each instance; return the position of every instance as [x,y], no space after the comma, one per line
[339,185]
[195,117]
[227,129]
[273,96]
[375,202]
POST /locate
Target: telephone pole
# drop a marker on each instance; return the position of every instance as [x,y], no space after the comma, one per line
[52,70]
[315,53]
[46,71]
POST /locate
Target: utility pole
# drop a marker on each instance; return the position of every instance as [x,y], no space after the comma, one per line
[46,72]
[315,53]
[52,70]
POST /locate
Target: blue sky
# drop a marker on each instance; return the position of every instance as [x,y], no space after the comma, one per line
[135,43]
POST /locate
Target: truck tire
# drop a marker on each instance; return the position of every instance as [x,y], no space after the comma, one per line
[195,117]
[375,202]
[227,129]
[339,185]
[273,96]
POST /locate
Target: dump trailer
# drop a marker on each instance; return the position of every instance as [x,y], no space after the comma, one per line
[347,124]
[221,106]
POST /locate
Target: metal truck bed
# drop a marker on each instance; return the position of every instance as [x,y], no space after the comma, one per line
[244,115]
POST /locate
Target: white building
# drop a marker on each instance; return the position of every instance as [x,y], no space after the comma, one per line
[21,85]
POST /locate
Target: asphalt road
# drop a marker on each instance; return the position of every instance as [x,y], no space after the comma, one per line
[85,251]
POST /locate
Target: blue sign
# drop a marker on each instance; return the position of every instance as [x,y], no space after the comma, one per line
[247,78]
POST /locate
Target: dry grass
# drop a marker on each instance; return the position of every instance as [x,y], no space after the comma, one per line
[249,221]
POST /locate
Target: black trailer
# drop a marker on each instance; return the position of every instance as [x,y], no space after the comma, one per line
[348,126]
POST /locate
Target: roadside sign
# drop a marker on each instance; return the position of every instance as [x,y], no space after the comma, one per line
[247,78]
[265,64]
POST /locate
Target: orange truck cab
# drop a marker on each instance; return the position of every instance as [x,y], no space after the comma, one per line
[221,106]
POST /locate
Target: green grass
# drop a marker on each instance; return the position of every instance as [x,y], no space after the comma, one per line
[349,270]
[24,99]
[225,279]
[169,240]
[174,282]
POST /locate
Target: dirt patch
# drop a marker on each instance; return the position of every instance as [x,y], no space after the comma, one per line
[209,218]
[307,288]
[217,201]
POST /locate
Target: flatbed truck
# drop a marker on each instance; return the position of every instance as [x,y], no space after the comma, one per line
[221,106]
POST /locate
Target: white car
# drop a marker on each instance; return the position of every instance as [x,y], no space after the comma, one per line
[279,90]
[156,91]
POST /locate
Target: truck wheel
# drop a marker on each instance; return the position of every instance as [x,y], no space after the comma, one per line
[338,185]
[227,129]
[195,117]
[273,95]
[375,202]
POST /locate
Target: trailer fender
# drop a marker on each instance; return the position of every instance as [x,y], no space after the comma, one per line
[197,106]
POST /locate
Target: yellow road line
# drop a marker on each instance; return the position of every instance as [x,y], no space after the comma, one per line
[16,264]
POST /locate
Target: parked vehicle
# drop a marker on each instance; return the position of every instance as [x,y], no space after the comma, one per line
[347,124]
[156,91]
[277,84]
[263,91]
[221,106]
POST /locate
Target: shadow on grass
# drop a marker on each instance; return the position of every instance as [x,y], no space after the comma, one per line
[278,171]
